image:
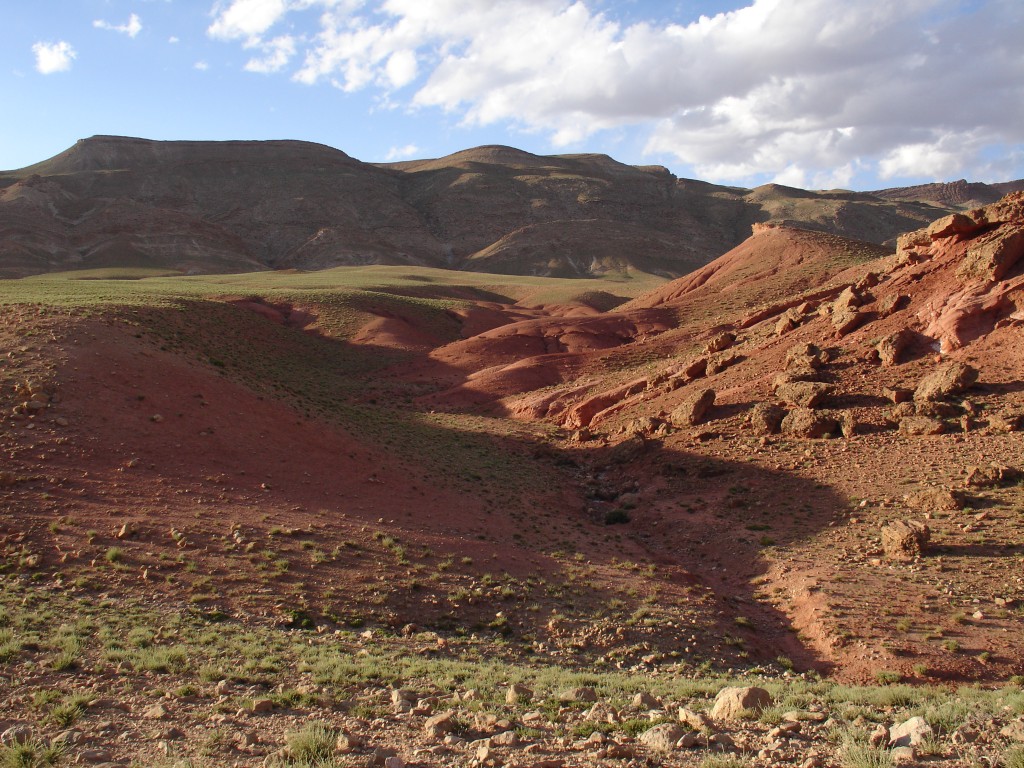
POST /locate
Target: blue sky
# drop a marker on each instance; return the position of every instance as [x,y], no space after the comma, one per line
[814,93]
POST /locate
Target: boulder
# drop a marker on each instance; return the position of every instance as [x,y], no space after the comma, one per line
[990,476]
[804,356]
[695,369]
[766,418]
[849,299]
[788,322]
[921,425]
[804,394]
[934,500]
[719,363]
[578,694]
[720,342]
[1014,731]
[993,256]
[847,320]
[950,379]
[848,424]
[698,721]
[950,226]
[731,702]
[517,694]
[440,725]
[693,410]
[1006,421]
[806,422]
[905,539]
[910,733]
[898,395]
[662,738]
[891,348]
[892,304]
[644,700]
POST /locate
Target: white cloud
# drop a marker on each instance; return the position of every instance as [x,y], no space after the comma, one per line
[202,66]
[801,90]
[173,39]
[132,27]
[402,153]
[276,55]
[244,19]
[938,159]
[53,57]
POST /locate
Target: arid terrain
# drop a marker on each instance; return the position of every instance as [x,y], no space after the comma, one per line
[394,514]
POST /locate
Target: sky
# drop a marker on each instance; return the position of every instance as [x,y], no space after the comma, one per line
[819,94]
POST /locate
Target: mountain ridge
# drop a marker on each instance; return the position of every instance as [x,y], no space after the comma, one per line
[214,206]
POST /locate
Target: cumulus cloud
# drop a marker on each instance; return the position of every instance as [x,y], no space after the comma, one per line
[276,55]
[246,19]
[202,66]
[808,91]
[132,27]
[402,153]
[53,57]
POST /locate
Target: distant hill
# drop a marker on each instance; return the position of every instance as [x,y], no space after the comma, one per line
[207,207]
[962,194]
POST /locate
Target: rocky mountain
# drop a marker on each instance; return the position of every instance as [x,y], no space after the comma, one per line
[961,195]
[209,207]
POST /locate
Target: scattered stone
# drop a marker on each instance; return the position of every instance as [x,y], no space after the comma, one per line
[698,721]
[903,755]
[848,299]
[439,725]
[804,356]
[347,742]
[948,226]
[155,712]
[692,739]
[720,342]
[934,500]
[847,424]
[578,694]
[730,702]
[95,756]
[505,739]
[719,363]
[394,762]
[1014,731]
[697,368]
[891,348]
[950,379]
[898,395]
[921,425]
[806,422]
[262,706]
[518,694]
[803,394]
[910,733]
[16,734]
[766,418]
[905,539]
[1006,421]
[990,476]
[662,738]
[847,320]
[644,700]
[879,737]
[693,410]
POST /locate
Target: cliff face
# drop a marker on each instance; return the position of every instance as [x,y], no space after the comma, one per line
[238,206]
